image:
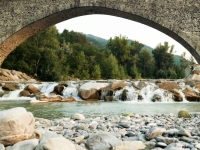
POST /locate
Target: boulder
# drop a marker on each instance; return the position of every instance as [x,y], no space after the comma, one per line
[32,89]
[16,125]
[191,95]
[176,95]
[117,85]
[24,93]
[25,145]
[102,141]
[168,85]
[10,86]
[184,114]
[90,90]
[154,132]
[90,94]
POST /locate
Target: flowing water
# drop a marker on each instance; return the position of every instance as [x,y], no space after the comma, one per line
[132,105]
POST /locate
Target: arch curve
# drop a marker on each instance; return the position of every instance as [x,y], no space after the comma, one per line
[180,25]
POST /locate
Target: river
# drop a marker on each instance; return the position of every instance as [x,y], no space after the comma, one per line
[61,110]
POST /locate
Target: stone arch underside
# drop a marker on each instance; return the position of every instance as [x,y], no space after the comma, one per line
[182,23]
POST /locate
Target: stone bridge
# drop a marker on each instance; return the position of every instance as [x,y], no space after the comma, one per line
[20,19]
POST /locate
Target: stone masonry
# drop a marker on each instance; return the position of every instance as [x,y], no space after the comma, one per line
[20,19]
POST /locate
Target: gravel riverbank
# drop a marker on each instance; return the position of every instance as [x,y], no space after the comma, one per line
[124,132]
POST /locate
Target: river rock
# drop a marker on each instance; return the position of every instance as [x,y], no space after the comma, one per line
[130,145]
[32,89]
[59,89]
[184,114]
[25,145]
[176,95]
[90,94]
[117,85]
[24,93]
[156,98]
[16,124]
[168,85]
[191,95]
[154,132]
[102,141]
[10,86]
[56,143]
[166,140]
[55,98]
[78,116]
[184,132]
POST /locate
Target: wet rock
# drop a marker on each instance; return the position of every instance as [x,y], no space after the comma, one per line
[176,95]
[117,85]
[90,94]
[10,86]
[124,95]
[156,98]
[32,89]
[140,85]
[16,124]
[184,114]
[102,141]
[59,89]
[191,95]
[24,93]
[154,132]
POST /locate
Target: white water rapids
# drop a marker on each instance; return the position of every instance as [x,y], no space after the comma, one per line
[133,95]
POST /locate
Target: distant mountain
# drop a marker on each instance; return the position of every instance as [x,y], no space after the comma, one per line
[98,41]
[101,43]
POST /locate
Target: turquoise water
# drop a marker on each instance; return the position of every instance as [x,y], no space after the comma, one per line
[60,110]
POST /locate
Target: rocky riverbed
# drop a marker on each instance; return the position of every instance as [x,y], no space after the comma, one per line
[125,132]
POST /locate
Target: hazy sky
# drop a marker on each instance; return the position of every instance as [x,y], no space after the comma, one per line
[109,26]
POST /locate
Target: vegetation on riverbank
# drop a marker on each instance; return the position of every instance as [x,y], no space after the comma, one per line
[52,56]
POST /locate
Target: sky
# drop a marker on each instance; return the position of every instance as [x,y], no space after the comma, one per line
[106,26]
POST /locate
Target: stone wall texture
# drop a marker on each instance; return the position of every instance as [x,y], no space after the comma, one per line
[20,19]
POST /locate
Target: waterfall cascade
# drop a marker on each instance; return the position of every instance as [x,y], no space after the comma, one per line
[150,92]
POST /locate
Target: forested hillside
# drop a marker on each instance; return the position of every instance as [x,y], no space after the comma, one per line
[53,56]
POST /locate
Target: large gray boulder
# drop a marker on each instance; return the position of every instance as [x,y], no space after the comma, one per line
[16,125]
[102,141]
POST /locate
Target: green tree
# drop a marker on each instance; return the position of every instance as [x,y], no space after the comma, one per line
[96,73]
[146,63]
[79,67]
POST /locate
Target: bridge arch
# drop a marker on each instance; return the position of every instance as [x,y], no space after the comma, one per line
[21,19]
